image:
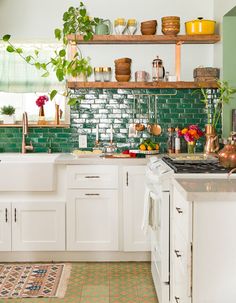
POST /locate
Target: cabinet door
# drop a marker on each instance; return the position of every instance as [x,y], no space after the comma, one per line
[133,204]
[38,226]
[5,226]
[92,218]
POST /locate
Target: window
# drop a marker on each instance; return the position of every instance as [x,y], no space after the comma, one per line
[21,84]
[26,102]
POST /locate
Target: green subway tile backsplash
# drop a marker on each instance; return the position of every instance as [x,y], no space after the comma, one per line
[117,106]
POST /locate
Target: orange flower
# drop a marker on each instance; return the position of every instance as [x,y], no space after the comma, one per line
[184,131]
[193,132]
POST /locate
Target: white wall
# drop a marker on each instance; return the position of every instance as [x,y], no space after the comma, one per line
[35,20]
[221,7]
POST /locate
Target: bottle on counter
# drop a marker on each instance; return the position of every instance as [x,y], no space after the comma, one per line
[171,140]
[177,141]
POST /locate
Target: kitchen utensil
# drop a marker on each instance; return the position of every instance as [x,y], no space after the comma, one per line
[139,126]
[170,25]
[227,156]
[155,128]
[104,27]
[132,131]
[119,25]
[158,70]
[141,76]
[131,26]
[200,27]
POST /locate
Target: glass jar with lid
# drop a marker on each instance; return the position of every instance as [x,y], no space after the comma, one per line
[98,74]
[106,74]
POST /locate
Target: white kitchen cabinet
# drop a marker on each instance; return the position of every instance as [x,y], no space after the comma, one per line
[5,226]
[38,226]
[133,205]
[203,249]
[92,220]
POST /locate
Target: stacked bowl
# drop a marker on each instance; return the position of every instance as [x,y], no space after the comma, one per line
[148,27]
[123,69]
[170,25]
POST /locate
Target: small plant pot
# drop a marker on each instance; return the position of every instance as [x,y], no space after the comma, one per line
[8,119]
[81,78]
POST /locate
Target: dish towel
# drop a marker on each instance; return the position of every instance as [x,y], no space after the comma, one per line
[151,211]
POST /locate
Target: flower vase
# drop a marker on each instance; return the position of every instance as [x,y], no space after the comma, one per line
[191,147]
[212,141]
[41,120]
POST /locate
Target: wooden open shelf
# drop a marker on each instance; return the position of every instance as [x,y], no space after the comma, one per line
[146,39]
[133,85]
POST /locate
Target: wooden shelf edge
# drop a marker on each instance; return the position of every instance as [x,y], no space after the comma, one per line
[18,125]
[133,85]
[146,39]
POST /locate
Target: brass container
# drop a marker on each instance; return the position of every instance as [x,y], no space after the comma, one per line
[212,141]
[227,156]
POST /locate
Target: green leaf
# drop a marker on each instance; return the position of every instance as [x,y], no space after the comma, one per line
[96,20]
[19,50]
[37,65]
[45,75]
[57,33]
[36,52]
[10,49]
[66,16]
[53,94]
[27,59]
[62,53]
[60,74]
[72,101]
[82,12]
[6,38]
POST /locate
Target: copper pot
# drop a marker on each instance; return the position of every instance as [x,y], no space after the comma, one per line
[227,156]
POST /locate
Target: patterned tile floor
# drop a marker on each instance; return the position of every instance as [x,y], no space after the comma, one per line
[126,282]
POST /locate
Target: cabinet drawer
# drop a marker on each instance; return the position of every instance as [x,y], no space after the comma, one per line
[181,214]
[92,176]
[180,249]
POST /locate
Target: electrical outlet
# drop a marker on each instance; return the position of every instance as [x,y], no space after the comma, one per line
[83,141]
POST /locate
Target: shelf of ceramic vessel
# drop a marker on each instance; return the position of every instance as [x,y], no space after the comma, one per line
[146,39]
[176,85]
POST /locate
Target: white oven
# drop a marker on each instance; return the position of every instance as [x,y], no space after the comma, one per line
[158,191]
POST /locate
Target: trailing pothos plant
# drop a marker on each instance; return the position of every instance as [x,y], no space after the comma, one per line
[75,21]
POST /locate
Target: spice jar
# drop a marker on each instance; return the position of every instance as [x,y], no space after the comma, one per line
[106,74]
[98,74]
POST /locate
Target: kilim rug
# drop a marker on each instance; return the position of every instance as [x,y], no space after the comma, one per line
[33,280]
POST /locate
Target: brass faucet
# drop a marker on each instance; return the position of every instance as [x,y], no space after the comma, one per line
[25,133]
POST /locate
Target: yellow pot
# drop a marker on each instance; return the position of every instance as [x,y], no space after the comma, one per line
[200,27]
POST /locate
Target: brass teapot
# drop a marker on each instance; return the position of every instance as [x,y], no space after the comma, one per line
[227,155]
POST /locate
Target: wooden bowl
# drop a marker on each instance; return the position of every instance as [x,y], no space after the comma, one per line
[122,65]
[123,60]
[150,31]
[122,78]
[123,72]
[170,18]
[170,31]
[149,22]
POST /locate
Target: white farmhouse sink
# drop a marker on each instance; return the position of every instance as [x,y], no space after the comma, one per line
[27,172]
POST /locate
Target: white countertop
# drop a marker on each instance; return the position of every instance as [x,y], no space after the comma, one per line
[70,159]
[207,189]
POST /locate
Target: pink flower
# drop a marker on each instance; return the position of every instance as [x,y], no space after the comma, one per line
[188,137]
[41,100]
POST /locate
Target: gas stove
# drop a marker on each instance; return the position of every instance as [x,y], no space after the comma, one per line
[201,167]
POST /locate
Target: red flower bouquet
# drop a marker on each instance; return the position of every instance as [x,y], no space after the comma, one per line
[191,134]
[42,100]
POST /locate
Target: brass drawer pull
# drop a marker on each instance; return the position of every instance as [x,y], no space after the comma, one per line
[92,194]
[92,177]
[178,255]
[6,217]
[179,210]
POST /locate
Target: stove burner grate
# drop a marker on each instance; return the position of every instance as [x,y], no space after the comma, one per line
[197,168]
